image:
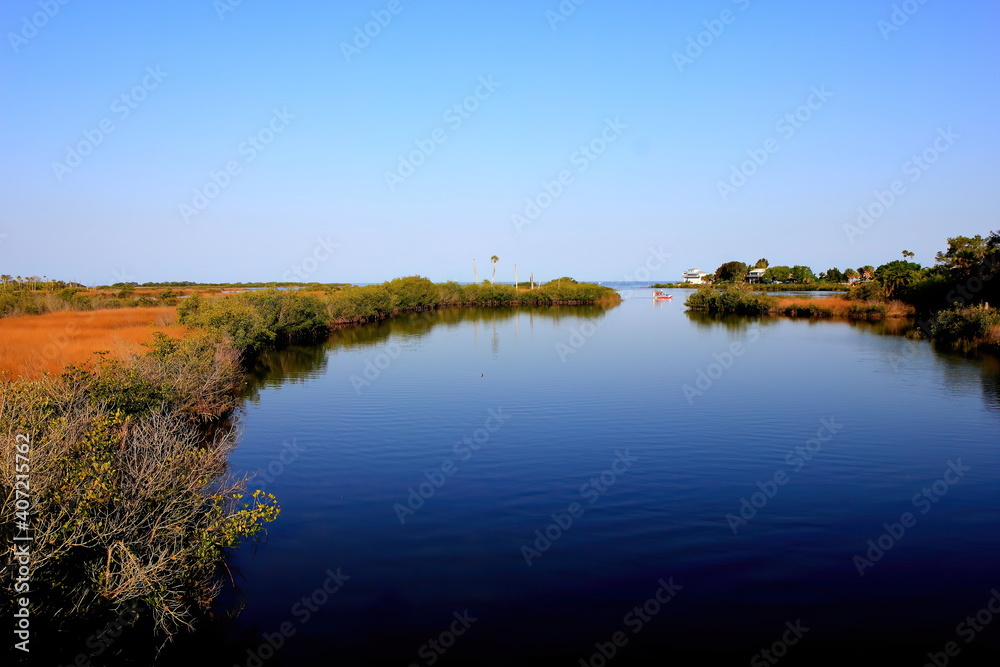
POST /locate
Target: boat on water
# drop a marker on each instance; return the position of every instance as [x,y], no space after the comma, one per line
[661,296]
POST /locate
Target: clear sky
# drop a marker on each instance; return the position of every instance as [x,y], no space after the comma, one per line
[247,141]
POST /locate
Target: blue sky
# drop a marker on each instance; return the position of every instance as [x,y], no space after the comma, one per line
[257,140]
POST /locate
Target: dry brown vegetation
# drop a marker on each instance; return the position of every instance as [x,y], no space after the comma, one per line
[31,345]
[841,307]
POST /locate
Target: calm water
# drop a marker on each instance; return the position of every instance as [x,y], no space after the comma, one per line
[640,428]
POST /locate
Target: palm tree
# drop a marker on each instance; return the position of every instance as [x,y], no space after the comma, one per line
[6,279]
[494,259]
[907,254]
[475,274]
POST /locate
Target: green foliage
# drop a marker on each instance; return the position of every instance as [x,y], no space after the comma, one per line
[897,276]
[731,300]
[131,503]
[413,292]
[778,273]
[833,275]
[254,320]
[731,272]
[971,325]
[802,274]
[870,291]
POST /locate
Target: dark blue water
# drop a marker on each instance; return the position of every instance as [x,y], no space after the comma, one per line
[547,472]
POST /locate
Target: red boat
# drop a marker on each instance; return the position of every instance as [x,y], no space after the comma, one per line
[661,295]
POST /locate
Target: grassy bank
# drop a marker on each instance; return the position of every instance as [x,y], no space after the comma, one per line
[253,321]
[747,302]
[976,327]
[131,509]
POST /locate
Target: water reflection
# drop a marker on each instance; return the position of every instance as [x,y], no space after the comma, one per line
[297,363]
[959,371]
[732,323]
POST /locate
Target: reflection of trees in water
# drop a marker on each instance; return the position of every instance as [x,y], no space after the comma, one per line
[293,363]
[732,323]
[967,371]
[959,371]
[889,326]
[991,382]
[297,362]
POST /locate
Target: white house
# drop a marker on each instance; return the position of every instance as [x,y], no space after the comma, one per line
[694,275]
[755,275]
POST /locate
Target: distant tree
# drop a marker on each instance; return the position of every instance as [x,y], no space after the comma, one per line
[731,272]
[761,264]
[963,253]
[802,274]
[6,279]
[867,272]
[896,276]
[778,273]
[494,259]
[851,274]
[907,254]
[833,276]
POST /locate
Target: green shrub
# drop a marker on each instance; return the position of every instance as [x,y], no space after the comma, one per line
[731,300]
[967,325]
[870,291]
